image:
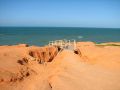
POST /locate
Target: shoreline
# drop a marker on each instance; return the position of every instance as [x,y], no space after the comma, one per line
[96,43]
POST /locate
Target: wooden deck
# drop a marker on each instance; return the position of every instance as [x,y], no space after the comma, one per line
[64,44]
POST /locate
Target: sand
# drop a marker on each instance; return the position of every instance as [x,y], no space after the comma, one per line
[94,68]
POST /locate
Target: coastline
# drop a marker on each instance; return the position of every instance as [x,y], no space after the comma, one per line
[59,45]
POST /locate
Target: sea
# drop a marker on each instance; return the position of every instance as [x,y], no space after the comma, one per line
[41,36]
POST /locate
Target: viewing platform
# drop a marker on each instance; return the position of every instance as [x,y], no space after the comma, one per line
[64,44]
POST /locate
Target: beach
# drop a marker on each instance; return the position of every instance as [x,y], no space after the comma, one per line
[94,67]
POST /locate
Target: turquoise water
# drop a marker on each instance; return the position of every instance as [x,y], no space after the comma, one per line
[42,35]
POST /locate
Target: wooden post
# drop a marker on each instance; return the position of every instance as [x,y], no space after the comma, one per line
[65,43]
[55,42]
[52,43]
[74,44]
[61,43]
[49,43]
[69,42]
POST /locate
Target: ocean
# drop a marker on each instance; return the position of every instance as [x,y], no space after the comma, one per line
[42,35]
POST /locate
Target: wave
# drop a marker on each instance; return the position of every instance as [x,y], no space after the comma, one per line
[80,37]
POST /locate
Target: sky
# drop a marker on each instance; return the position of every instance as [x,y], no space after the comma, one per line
[60,13]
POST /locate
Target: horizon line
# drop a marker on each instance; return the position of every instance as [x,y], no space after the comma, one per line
[61,27]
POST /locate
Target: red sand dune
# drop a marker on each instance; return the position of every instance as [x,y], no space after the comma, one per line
[24,67]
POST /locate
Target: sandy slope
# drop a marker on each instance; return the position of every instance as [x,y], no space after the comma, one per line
[97,68]
[72,74]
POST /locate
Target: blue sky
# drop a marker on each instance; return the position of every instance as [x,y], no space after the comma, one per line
[60,13]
